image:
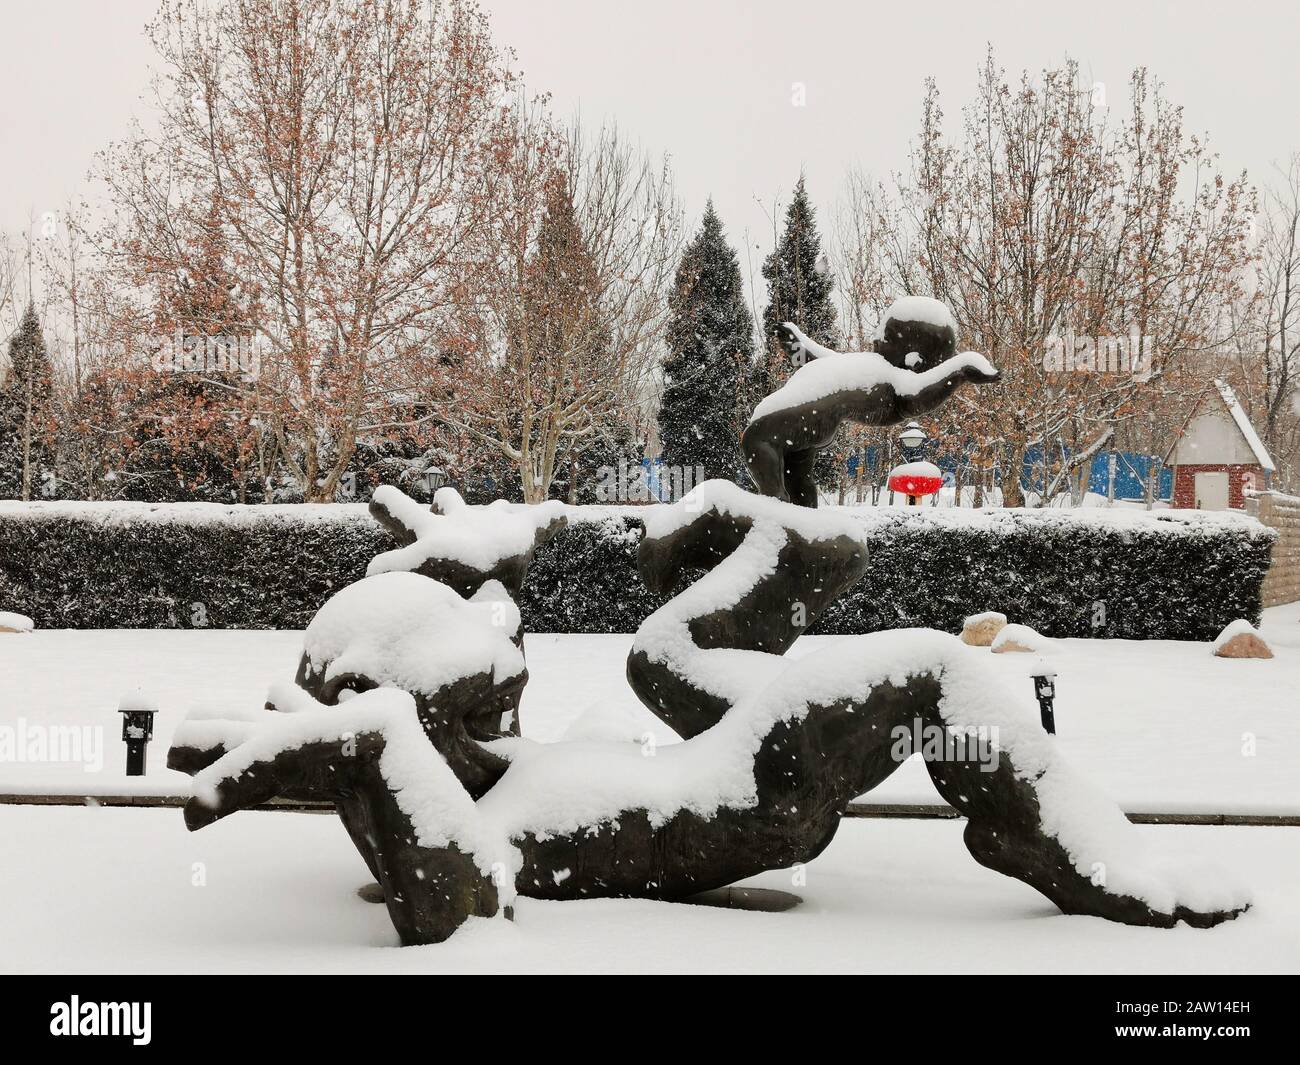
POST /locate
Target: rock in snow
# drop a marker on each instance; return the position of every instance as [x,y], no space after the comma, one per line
[979,630]
[1240,640]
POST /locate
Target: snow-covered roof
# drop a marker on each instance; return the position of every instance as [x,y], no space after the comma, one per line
[1239,419]
[1243,423]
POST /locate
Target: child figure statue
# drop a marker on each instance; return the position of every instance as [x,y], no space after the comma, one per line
[914,368]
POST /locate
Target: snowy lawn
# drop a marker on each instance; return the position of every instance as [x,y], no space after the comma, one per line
[1162,726]
[887,895]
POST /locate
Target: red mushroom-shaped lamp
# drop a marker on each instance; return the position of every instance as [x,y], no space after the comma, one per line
[916,479]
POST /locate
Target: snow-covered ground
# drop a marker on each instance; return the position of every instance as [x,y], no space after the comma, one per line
[274,892]
[1162,726]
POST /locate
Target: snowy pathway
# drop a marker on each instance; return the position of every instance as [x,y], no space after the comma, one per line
[272,892]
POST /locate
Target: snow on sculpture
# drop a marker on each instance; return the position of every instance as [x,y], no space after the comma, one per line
[914,368]
[460,545]
[406,810]
[404,715]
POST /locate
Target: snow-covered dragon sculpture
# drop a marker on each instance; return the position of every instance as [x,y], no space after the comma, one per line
[404,715]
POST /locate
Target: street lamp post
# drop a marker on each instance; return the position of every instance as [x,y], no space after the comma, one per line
[1045,691]
[137,710]
[915,478]
[432,479]
[913,439]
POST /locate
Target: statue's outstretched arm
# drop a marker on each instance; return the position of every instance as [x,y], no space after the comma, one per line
[935,386]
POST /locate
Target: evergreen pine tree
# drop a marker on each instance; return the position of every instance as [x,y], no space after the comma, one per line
[26,413]
[799,288]
[710,347]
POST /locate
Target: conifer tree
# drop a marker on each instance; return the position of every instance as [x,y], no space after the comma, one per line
[710,350]
[799,286]
[26,413]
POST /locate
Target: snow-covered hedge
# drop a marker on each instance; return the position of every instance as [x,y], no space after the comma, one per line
[1168,575]
[586,579]
[180,565]
[1119,574]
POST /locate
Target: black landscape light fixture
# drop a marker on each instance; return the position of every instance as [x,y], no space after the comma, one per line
[913,439]
[1045,691]
[433,478]
[137,710]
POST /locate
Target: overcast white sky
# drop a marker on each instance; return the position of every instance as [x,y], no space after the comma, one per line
[709,81]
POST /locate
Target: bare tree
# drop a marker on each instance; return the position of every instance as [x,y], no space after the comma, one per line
[348,150]
[1267,370]
[1039,222]
[563,327]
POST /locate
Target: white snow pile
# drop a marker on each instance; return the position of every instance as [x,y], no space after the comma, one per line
[477,536]
[423,786]
[1012,521]
[553,789]
[987,615]
[16,622]
[1240,627]
[206,727]
[917,309]
[408,631]
[860,371]
[1022,636]
[192,514]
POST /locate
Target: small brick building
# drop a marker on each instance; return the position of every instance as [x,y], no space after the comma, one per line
[1217,455]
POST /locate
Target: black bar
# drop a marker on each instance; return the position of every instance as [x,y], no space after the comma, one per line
[1047,714]
[282,1018]
[135,757]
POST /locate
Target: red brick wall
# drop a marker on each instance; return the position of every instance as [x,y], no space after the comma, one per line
[1185,482]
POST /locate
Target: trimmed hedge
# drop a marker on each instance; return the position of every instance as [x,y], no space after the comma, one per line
[1120,574]
[585,579]
[1092,573]
[181,565]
